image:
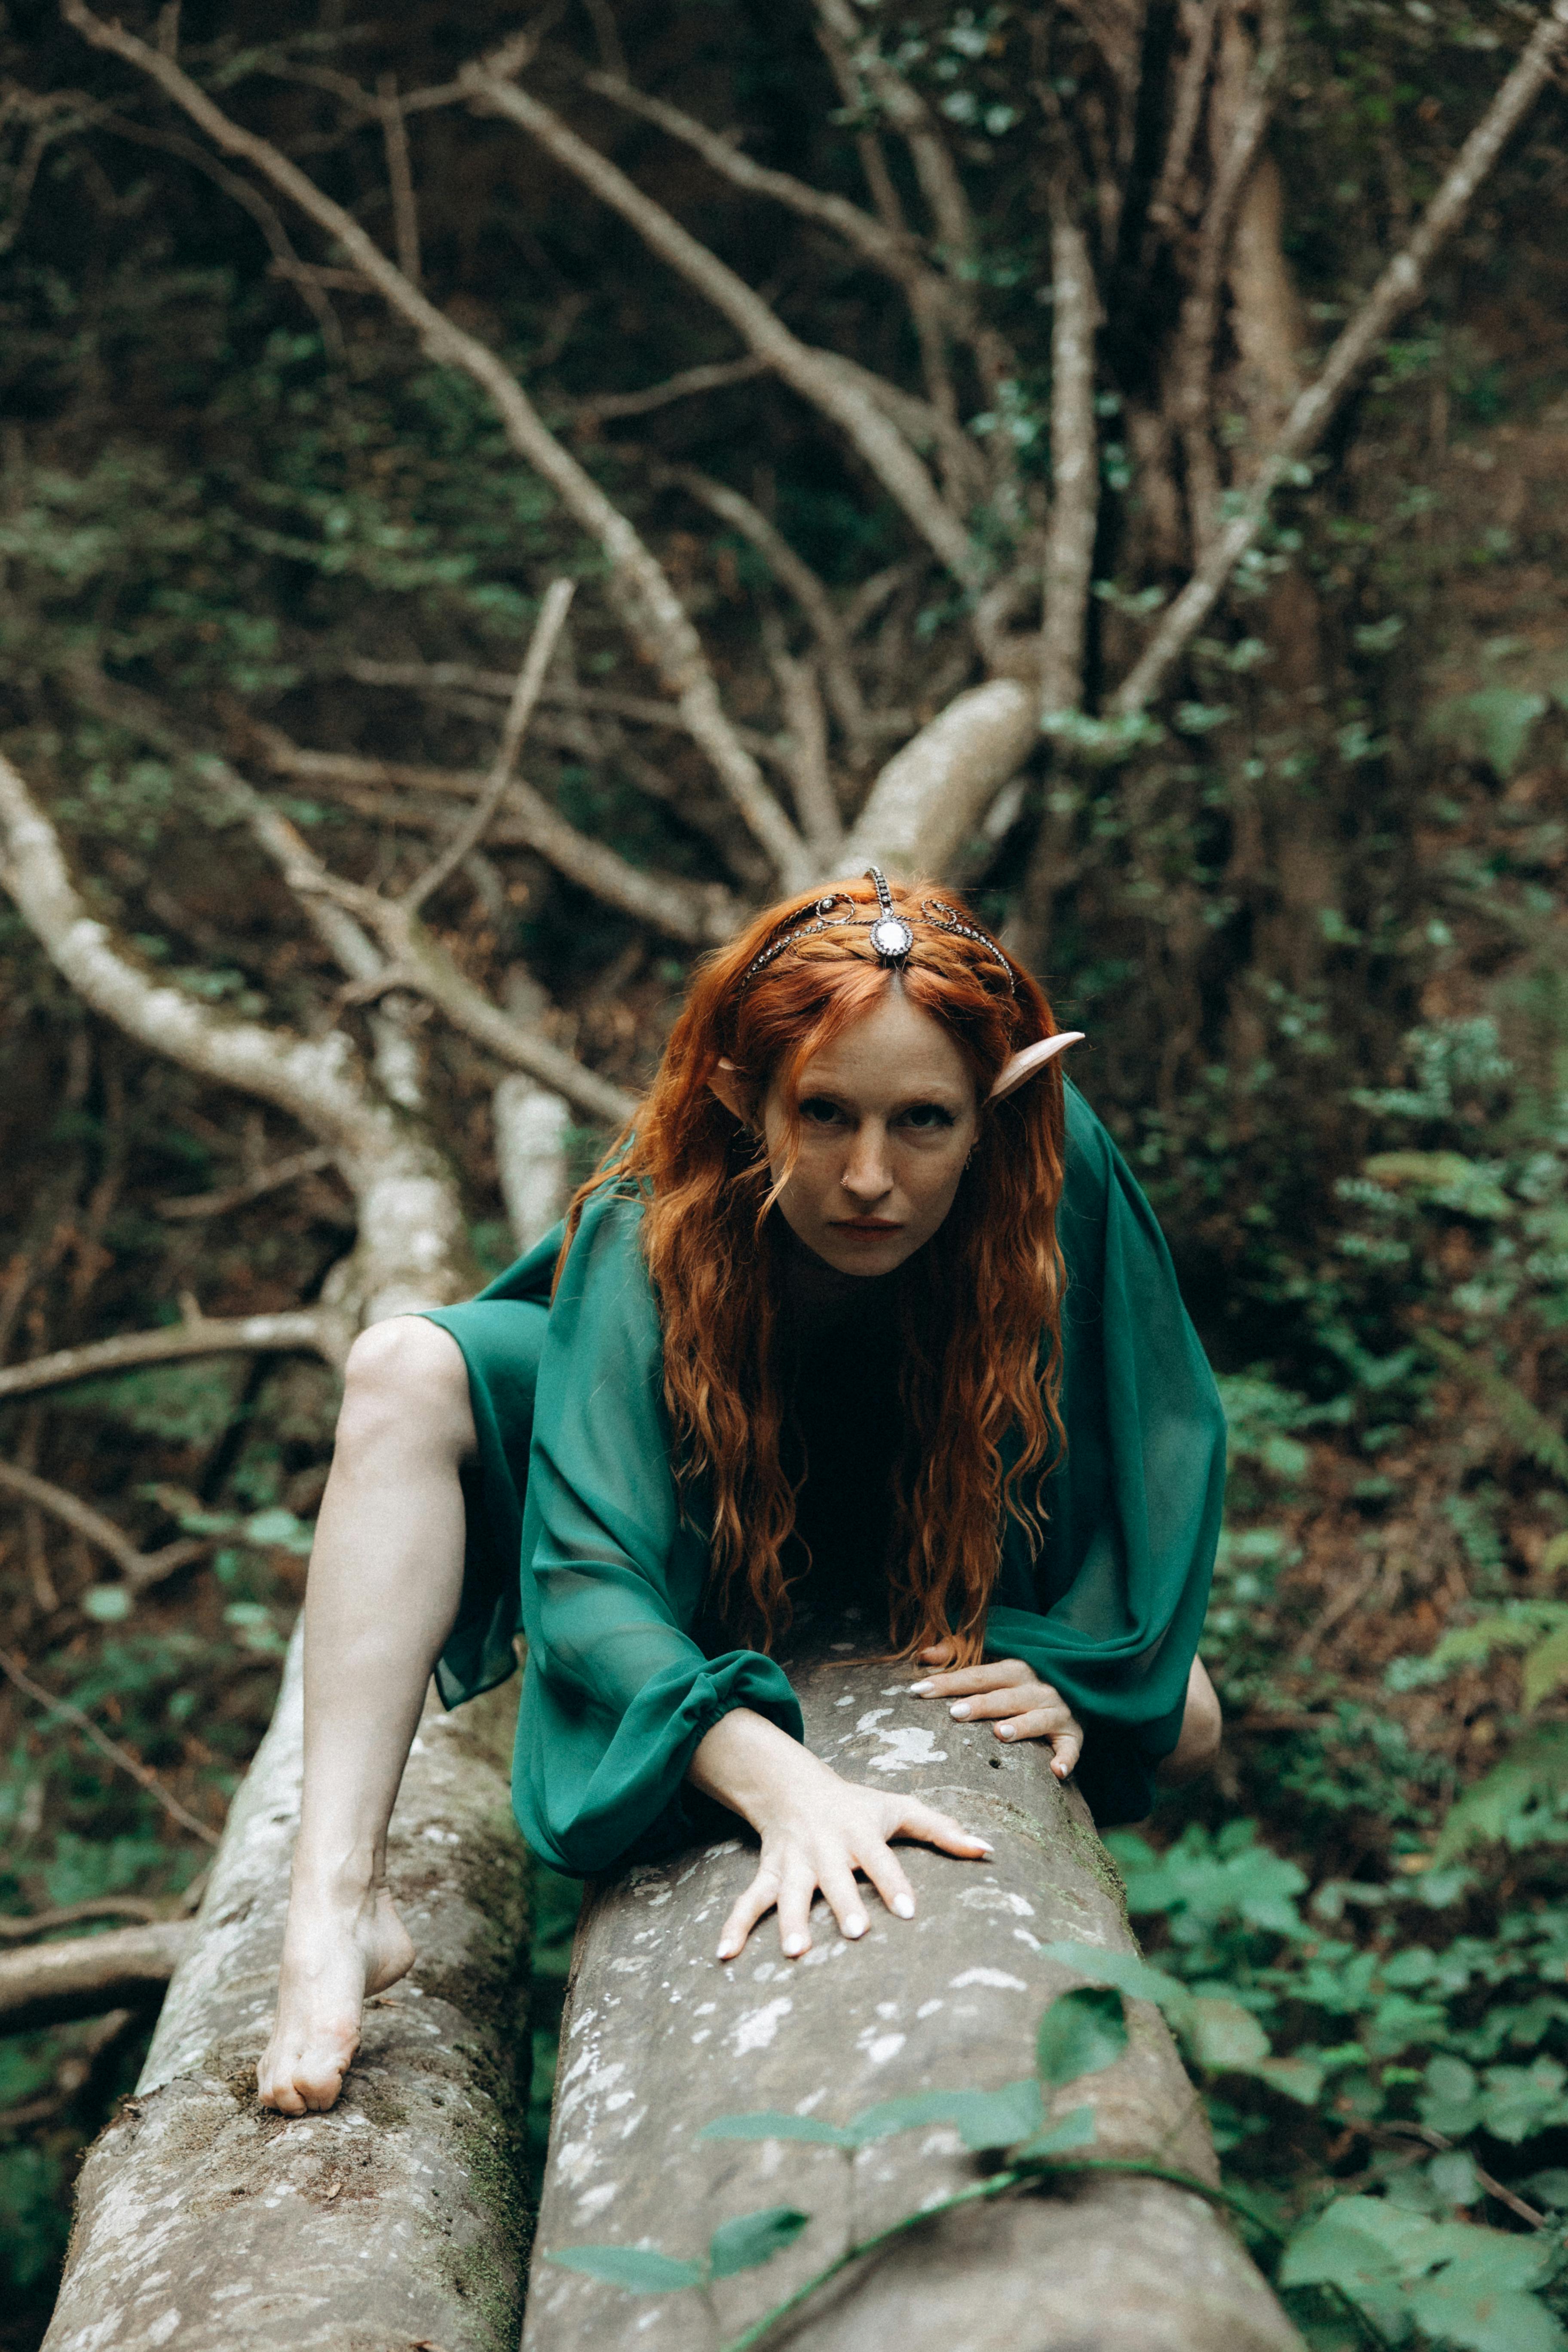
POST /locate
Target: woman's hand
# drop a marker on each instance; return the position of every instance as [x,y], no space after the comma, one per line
[1006,1693]
[816,1831]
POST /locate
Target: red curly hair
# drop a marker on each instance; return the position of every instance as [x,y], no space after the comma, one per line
[982,1354]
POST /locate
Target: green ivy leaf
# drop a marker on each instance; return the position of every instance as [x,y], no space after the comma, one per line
[1222,2036]
[745,2243]
[767,2122]
[639,2270]
[1128,1974]
[1075,2130]
[1082,2032]
[982,2119]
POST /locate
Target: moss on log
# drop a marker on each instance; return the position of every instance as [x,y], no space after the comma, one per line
[659,2040]
[206,2224]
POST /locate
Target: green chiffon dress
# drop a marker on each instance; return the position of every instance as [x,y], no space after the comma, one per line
[623,1676]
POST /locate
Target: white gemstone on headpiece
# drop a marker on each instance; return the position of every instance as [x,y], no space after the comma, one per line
[892,937]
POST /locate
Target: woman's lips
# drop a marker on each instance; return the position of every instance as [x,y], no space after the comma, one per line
[868,1225]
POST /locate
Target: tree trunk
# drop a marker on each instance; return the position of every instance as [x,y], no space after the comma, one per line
[659,2040]
[204,2224]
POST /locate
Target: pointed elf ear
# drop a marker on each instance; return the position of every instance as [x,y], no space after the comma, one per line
[734,1091]
[1033,1057]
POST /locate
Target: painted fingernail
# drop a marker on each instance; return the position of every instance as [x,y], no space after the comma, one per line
[985,1845]
[920,1690]
[857,1923]
[1005,1731]
[795,1946]
[726,1952]
[904,1905]
[961,1708]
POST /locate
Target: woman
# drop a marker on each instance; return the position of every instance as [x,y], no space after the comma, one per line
[865,1316]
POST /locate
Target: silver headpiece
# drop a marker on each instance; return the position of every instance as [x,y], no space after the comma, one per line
[891,935]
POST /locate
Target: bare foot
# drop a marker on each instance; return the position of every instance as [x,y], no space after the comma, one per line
[336,1952]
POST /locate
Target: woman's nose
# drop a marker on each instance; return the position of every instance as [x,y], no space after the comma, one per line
[867,1174]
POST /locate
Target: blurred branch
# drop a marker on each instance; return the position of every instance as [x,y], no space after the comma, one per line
[695,912]
[1199,17]
[1193,365]
[400,178]
[605,405]
[185,1206]
[657,621]
[1397,288]
[298,1331]
[16,1928]
[542,647]
[807,724]
[123,1759]
[138,1567]
[835,392]
[419,963]
[792,572]
[125,1969]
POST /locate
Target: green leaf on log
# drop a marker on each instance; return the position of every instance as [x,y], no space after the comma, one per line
[767,2122]
[753,2239]
[1082,2032]
[639,2270]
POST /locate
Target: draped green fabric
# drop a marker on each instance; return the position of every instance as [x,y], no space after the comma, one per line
[574,1480]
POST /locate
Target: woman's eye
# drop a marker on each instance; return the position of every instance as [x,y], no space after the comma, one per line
[927,1116]
[819,1111]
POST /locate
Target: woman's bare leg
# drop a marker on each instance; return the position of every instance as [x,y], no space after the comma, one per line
[387,1572]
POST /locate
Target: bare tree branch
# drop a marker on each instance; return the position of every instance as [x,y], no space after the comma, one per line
[1074,460]
[419,963]
[413,1245]
[832,389]
[525,695]
[1398,287]
[932,792]
[186,1207]
[791,572]
[16,1930]
[650,607]
[605,406]
[814,801]
[912,118]
[1198,17]
[700,914]
[120,1756]
[1194,361]
[138,1567]
[400,179]
[126,1968]
[296,1331]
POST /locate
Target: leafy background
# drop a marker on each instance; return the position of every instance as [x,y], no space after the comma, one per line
[1316,934]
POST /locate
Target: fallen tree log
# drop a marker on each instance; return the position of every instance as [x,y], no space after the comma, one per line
[659,2040]
[129,1968]
[204,2223]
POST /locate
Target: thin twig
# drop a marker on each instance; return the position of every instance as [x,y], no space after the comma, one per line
[602,408]
[542,647]
[400,179]
[138,1567]
[187,1206]
[120,1756]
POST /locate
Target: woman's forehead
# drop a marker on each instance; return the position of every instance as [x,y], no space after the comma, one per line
[894,1049]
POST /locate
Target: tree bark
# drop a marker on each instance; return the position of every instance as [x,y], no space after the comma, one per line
[659,2040]
[204,2224]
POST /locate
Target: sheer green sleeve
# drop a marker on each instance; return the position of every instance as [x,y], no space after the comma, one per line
[616,1693]
[1111,1606]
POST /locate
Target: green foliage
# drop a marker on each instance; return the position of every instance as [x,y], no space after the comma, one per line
[1081,2034]
[1459,2285]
